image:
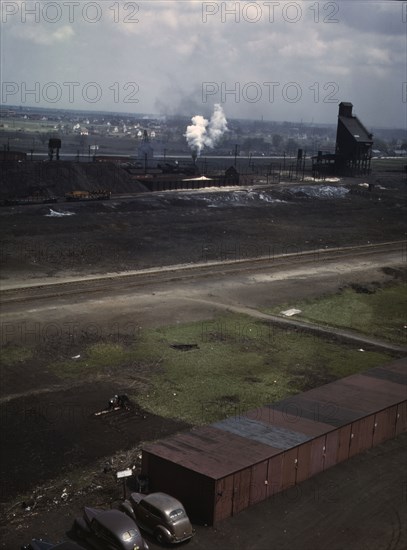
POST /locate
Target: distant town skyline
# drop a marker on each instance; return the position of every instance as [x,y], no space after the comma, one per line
[283,61]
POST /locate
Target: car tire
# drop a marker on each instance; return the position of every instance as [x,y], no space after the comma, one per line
[77,531]
[159,537]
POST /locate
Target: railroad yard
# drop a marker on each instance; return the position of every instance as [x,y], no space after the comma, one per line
[176,299]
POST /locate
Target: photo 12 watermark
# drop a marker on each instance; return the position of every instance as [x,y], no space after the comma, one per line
[271,91]
[32,333]
[70,12]
[68,92]
[270,12]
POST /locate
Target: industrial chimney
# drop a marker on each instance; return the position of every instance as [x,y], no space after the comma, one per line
[345,109]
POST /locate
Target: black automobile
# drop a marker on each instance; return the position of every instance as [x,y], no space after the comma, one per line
[161,515]
[108,530]
[39,544]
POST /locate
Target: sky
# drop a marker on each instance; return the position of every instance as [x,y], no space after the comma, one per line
[283,61]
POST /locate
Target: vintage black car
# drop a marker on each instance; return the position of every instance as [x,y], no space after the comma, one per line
[161,515]
[108,530]
[39,544]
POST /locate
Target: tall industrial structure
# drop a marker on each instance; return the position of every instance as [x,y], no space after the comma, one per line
[353,150]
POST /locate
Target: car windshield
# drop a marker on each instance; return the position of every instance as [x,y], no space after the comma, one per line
[176,514]
[128,535]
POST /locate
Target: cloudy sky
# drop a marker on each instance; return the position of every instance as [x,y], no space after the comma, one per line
[278,60]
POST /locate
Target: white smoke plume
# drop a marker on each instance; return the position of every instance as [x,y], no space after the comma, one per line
[203,132]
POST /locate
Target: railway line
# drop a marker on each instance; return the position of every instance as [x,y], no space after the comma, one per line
[125,281]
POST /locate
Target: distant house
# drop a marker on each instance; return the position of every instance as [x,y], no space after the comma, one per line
[145,149]
[353,143]
[231,176]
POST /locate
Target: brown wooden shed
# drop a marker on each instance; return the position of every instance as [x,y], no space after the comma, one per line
[221,469]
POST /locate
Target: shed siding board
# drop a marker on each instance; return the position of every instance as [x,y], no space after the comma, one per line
[343,443]
[275,474]
[401,421]
[331,449]
[385,425]
[289,472]
[304,462]
[361,435]
[318,448]
[241,490]
[258,487]
[223,498]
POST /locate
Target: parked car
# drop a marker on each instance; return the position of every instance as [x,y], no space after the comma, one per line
[108,530]
[161,515]
[39,544]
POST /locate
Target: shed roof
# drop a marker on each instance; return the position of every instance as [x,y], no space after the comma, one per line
[276,436]
[210,451]
[238,442]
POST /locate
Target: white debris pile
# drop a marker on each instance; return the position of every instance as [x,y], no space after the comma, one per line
[290,312]
[321,191]
[239,198]
[56,214]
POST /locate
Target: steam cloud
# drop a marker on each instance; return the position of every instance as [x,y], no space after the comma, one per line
[203,132]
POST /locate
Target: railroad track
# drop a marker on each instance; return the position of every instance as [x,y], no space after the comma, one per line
[127,280]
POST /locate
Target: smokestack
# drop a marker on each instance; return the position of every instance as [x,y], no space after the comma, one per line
[194,155]
[345,109]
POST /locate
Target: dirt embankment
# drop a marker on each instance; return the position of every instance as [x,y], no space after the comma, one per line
[19,179]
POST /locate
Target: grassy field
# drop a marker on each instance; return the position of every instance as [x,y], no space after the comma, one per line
[384,164]
[232,365]
[375,312]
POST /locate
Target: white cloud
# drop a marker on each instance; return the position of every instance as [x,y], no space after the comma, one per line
[41,35]
[171,52]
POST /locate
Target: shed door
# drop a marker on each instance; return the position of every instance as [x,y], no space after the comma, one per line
[385,425]
[361,435]
[318,448]
[304,461]
[401,423]
[289,468]
[331,449]
[343,443]
[258,483]
[275,474]
[241,490]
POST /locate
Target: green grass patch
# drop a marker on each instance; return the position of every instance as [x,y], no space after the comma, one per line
[233,364]
[12,355]
[96,358]
[384,164]
[380,313]
[240,364]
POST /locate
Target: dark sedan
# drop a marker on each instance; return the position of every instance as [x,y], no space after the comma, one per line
[109,530]
[161,515]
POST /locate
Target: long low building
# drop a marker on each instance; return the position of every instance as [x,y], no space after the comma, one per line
[221,469]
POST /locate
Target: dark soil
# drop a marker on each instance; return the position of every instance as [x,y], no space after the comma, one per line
[49,433]
[56,432]
[187,227]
